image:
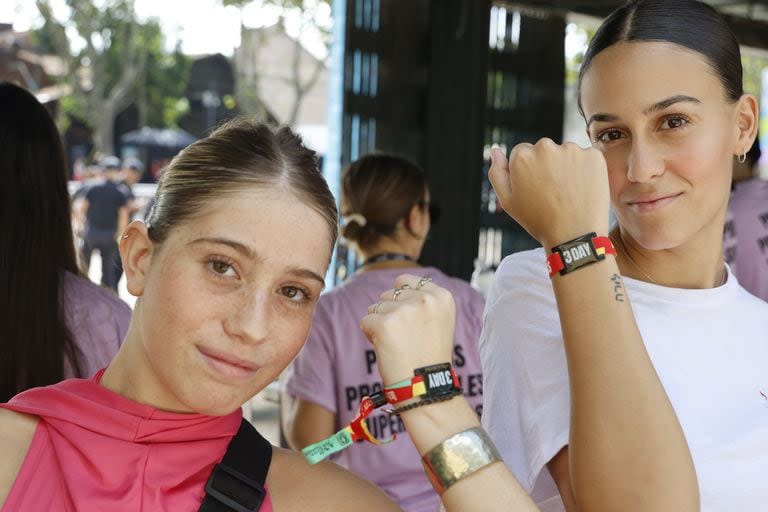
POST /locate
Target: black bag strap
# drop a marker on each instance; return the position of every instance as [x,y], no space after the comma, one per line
[237,482]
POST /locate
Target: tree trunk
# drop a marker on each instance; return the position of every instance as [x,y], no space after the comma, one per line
[300,89]
[104,129]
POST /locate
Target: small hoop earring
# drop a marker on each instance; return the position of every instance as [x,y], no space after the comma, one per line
[742,158]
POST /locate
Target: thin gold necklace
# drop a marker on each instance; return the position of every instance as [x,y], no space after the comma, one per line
[645,274]
[632,261]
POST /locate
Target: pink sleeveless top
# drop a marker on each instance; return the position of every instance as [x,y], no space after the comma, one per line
[96,450]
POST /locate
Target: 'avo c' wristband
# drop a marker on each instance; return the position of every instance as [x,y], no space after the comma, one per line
[437,381]
[579,252]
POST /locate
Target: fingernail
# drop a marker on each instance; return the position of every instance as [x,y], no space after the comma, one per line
[493,155]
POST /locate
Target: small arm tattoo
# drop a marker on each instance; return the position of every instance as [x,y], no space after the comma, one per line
[618,287]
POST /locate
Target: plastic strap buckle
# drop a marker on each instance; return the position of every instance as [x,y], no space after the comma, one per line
[235,490]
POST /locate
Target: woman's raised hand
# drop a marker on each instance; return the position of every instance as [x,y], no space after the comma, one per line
[556,192]
[410,327]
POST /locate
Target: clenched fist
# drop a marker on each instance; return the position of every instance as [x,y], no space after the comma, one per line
[556,192]
[411,327]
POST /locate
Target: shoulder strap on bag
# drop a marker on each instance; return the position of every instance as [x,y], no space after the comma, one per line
[237,482]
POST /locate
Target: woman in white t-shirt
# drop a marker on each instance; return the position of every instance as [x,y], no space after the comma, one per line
[661,92]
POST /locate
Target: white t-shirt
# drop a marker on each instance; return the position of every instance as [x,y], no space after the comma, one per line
[709,347]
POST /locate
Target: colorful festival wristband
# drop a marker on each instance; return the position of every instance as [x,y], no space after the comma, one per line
[578,253]
[428,382]
[357,430]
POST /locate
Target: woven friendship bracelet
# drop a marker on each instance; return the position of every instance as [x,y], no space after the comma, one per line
[424,401]
[434,383]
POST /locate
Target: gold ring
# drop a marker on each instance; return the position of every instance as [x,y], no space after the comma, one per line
[422,282]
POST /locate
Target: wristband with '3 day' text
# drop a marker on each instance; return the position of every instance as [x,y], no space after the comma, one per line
[578,253]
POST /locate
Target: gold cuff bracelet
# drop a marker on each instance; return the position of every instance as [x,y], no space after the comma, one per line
[458,457]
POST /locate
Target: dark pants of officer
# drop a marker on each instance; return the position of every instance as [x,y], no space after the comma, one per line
[103,240]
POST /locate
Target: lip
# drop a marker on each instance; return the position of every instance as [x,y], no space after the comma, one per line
[653,203]
[227,366]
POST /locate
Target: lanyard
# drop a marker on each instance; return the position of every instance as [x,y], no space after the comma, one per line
[387,256]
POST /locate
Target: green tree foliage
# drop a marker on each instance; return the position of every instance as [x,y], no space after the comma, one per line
[583,33]
[161,86]
[114,61]
[753,63]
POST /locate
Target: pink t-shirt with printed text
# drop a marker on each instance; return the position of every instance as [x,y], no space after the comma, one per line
[746,235]
[337,367]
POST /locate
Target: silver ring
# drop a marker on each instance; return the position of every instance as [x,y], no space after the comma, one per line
[398,291]
[422,282]
[376,307]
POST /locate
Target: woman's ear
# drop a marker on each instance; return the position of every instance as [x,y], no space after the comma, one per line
[136,253]
[746,123]
[417,221]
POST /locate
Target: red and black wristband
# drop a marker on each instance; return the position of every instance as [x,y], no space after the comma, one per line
[578,253]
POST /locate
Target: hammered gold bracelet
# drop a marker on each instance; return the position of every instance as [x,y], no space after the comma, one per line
[458,457]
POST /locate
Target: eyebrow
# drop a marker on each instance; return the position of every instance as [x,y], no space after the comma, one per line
[237,246]
[656,107]
[251,254]
[661,105]
[303,272]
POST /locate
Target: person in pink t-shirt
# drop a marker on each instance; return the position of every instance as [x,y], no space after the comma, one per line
[745,239]
[386,216]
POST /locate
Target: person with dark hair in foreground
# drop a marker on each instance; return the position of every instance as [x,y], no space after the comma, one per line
[55,324]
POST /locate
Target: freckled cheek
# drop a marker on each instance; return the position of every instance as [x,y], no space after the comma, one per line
[177,306]
[295,335]
[179,314]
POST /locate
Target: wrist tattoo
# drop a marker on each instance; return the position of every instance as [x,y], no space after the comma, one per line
[618,287]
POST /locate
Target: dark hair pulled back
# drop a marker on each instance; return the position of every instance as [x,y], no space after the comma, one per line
[688,23]
[381,188]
